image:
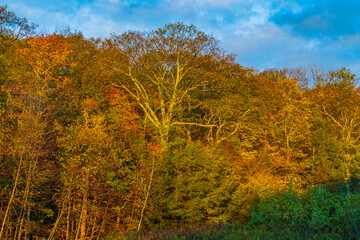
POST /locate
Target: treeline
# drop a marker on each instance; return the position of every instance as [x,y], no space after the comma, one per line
[157,129]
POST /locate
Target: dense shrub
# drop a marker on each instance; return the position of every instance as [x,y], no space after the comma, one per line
[314,214]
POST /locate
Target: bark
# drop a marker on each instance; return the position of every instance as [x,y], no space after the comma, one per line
[11,197]
[147,193]
[84,209]
[61,213]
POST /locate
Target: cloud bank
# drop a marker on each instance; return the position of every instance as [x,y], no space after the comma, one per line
[263,34]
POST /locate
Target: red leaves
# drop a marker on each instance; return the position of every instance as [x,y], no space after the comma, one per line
[125,117]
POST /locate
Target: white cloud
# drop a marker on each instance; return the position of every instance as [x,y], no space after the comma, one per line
[207,3]
[245,27]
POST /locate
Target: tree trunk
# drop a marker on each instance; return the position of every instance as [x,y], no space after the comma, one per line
[147,193]
[84,209]
[64,202]
[11,197]
[68,222]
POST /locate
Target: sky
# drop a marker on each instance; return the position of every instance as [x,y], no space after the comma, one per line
[264,34]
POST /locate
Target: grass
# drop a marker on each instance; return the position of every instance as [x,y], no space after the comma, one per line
[218,232]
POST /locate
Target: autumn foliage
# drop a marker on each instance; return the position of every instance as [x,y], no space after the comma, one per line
[163,129]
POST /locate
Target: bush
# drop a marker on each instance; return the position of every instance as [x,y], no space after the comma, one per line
[314,214]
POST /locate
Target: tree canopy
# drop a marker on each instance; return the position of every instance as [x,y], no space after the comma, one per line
[160,129]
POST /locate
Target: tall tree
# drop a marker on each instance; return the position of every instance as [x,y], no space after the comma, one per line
[160,69]
[337,98]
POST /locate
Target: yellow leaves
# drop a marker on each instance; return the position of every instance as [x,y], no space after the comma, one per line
[90,134]
[290,88]
[264,184]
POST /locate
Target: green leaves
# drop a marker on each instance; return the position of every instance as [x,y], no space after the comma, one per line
[196,185]
[315,212]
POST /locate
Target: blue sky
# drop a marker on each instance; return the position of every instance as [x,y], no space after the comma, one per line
[262,33]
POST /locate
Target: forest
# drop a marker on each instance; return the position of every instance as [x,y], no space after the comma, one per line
[163,135]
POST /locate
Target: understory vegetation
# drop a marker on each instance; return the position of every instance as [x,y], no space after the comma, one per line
[163,135]
[317,213]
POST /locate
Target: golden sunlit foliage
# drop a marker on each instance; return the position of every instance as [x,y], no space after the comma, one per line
[163,129]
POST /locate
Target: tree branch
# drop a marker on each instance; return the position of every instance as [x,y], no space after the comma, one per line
[194,124]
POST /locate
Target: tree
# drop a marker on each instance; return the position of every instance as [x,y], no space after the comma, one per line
[293,119]
[337,99]
[86,149]
[34,76]
[160,69]
[103,176]
[223,105]
[12,28]
[197,187]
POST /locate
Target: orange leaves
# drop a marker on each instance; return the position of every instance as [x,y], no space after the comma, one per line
[35,71]
[42,56]
[45,55]
[36,65]
[89,104]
